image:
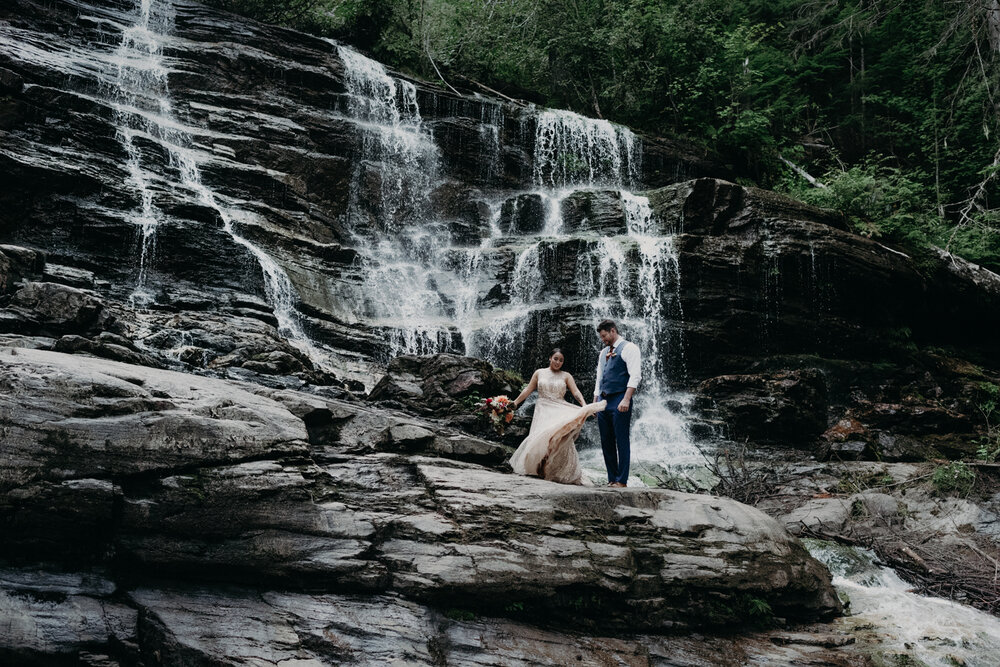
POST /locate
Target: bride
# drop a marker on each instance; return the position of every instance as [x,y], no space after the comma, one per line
[549,451]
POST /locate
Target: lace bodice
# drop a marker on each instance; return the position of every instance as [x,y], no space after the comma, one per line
[551,385]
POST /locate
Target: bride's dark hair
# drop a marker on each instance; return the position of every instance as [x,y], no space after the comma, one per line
[555,351]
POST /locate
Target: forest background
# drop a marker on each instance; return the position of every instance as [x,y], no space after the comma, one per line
[891,104]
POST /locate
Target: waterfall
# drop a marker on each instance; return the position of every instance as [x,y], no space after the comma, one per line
[419,287]
[637,284]
[400,248]
[141,101]
[571,149]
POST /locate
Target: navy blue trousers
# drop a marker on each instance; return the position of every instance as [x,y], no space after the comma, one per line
[614,427]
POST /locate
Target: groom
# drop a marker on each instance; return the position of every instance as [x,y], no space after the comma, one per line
[618,375]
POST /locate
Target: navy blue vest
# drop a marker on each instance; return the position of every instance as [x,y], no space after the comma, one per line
[614,376]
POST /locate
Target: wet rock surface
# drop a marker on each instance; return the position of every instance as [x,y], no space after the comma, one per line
[181,482]
[153,475]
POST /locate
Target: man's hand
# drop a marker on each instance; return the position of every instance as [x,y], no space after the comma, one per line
[623,406]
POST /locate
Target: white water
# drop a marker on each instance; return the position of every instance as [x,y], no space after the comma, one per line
[143,110]
[929,631]
[574,150]
[638,285]
[400,251]
[141,95]
[421,288]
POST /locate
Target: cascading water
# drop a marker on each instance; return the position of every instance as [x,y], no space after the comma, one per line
[419,286]
[571,153]
[572,150]
[140,93]
[399,247]
[908,629]
[142,109]
[638,285]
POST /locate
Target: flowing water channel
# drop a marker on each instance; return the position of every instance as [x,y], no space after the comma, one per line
[901,627]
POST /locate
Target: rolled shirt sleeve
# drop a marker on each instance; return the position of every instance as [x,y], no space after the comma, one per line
[632,357]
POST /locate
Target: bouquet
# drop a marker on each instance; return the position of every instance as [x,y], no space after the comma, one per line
[499,410]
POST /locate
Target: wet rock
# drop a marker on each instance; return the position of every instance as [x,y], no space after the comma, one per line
[436,384]
[850,450]
[198,625]
[406,436]
[523,214]
[787,407]
[903,448]
[381,523]
[58,615]
[68,275]
[272,363]
[10,82]
[107,346]
[598,211]
[89,417]
[50,309]
[196,478]
[16,264]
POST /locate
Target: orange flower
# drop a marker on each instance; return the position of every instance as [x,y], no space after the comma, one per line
[510,417]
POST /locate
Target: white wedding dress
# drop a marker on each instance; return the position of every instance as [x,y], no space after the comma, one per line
[549,451]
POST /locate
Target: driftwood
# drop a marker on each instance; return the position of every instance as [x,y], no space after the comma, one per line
[802,172]
[486,88]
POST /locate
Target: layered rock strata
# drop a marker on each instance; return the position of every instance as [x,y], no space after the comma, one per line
[152,492]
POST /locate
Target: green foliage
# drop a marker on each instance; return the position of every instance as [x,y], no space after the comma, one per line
[745,609]
[988,399]
[879,201]
[988,450]
[892,101]
[954,477]
[470,402]
[460,614]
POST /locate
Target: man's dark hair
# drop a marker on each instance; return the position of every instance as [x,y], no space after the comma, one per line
[607,325]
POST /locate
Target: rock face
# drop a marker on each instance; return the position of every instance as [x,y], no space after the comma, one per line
[787,407]
[302,216]
[134,472]
[210,248]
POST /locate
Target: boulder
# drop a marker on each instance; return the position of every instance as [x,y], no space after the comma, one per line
[456,534]
[75,417]
[16,264]
[244,626]
[106,345]
[51,309]
[60,615]
[199,480]
[440,384]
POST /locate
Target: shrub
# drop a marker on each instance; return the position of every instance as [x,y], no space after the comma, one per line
[955,476]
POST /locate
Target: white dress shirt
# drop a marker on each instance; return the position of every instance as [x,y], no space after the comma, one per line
[630,354]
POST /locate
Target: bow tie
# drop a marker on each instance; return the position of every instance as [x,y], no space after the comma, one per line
[611,353]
